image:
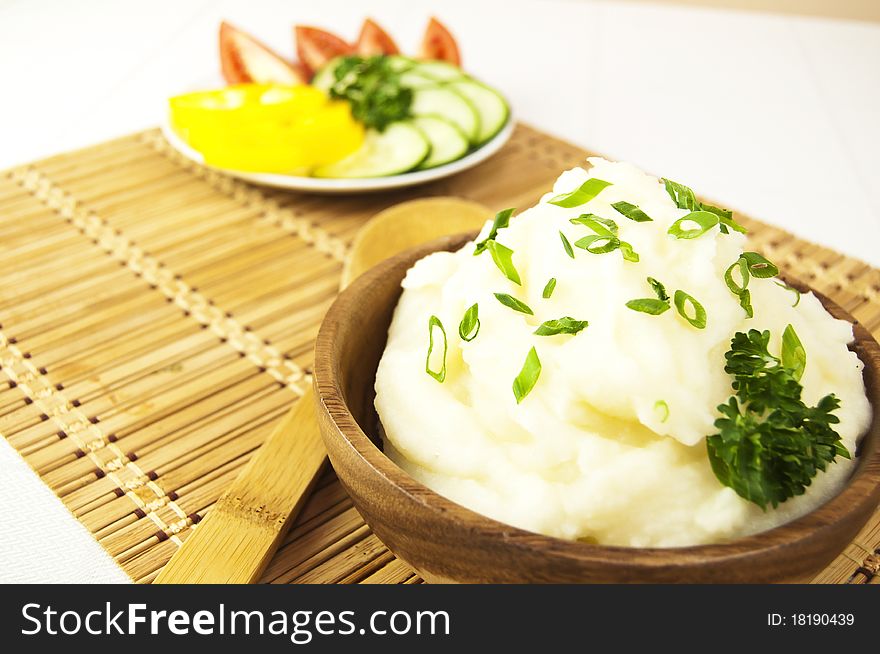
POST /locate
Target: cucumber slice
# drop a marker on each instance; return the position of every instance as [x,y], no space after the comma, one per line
[438,70]
[415,80]
[448,142]
[401,147]
[454,107]
[490,105]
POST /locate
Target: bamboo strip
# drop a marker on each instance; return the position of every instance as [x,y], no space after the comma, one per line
[393,572]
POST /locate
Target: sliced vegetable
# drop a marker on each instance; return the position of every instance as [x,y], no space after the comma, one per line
[438,70]
[373,40]
[448,142]
[243,59]
[316,47]
[438,43]
[491,107]
[441,101]
[401,147]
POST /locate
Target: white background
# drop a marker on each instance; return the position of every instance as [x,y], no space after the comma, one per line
[778,116]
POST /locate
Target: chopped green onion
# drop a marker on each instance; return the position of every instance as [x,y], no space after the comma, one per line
[681,299]
[796,292]
[549,288]
[469,326]
[503,258]
[745,301]
[564,325]
[662,408]
[794,356]
[440,376]
[566,245]
[581,195]
[705,221]
[513,303]
[725,218]
[631,211]
[605,244]
[741,291]
[759,266]
[628,253]
[659,289]
[648,305]
[600,225]
[683,196]
[502,220]
[743,267]
[527,378]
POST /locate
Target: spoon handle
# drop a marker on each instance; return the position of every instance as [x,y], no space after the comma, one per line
[240,534]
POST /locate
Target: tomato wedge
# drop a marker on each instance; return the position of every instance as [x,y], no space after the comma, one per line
[373,40]
[315,47]
[243,60]
[438,43]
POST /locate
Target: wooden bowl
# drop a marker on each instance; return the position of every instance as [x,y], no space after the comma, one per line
[444,541]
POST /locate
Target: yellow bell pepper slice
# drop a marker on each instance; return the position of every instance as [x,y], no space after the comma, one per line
[266,128]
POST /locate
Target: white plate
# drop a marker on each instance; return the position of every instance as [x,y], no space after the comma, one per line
[341,186]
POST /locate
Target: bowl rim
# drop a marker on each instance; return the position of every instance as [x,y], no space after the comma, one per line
[861,493]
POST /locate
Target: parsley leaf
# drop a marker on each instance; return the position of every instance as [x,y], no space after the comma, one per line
[770,444]
[372,87]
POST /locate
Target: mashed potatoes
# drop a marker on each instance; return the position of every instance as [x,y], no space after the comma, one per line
[609,445]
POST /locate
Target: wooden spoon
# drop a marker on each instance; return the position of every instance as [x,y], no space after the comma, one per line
[236,540]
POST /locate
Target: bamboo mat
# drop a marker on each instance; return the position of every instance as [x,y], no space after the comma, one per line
[157,318]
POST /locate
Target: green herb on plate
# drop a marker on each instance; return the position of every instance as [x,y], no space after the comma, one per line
[373,90]
[794,356]
[652,306]
[564,325]
[549,288]
[631,211]
[685,198]
[440,375]
[581,195]
[502,220]
[770,444]
[503,258]
[469,326]
[513,303]
[566,245]
[704,221]
[527,378]
[662,409]
[682,300]
[797,293]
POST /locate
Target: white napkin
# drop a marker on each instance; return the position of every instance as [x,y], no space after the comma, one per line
[41,541]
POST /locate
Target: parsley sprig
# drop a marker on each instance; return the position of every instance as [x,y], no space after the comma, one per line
[770,444]
[372,87]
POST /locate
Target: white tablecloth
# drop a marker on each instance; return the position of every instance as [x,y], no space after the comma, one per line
[773,115]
